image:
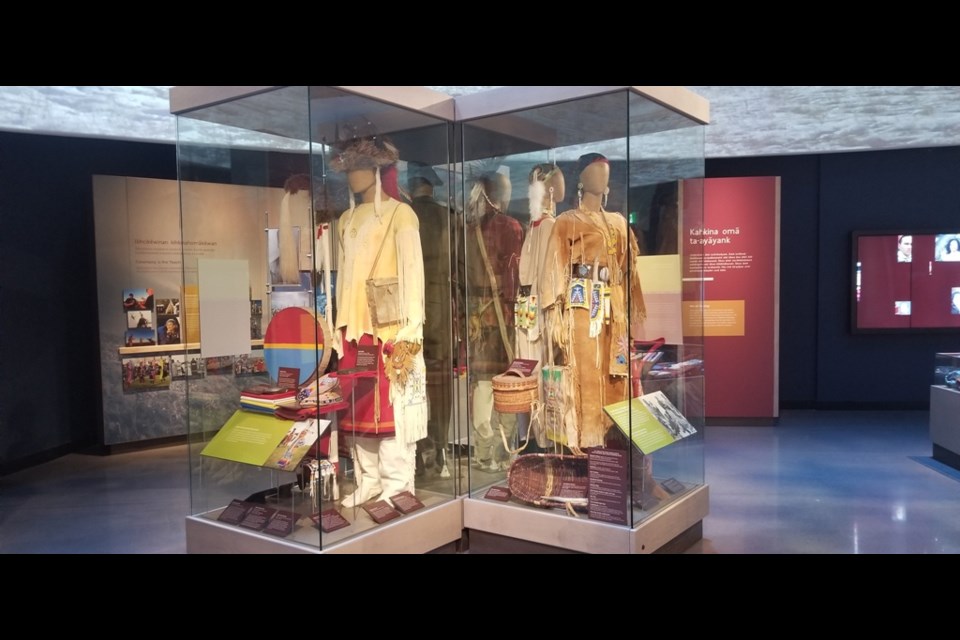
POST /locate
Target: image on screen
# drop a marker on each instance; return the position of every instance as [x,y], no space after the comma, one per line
[905,281]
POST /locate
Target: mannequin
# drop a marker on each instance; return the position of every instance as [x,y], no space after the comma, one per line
[547,188]
[493,244]
[437,345]
[389,412]
[589,249]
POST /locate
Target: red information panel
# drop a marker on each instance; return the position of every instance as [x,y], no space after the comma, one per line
[736,248]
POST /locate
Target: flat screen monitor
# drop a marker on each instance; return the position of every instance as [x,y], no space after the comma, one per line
[906,281]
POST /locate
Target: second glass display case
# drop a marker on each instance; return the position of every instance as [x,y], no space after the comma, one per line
[584,358]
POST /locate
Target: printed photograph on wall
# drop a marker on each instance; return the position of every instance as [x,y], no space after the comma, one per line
[168,306]
[250,364]
[140,338]
[955,301]
[219,366]
[139,320]
[180,367]
[197,366]
[256,319]
[168,329]
[138,299]
[146,373]
[280,300]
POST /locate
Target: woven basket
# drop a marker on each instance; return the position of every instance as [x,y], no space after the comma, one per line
[514,392]
[549,480]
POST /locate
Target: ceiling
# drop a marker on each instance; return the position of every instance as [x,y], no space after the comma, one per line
[745,121]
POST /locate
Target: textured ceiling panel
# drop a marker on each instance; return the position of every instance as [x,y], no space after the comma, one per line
[746,121]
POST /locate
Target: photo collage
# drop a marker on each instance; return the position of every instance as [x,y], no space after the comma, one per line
[152,321]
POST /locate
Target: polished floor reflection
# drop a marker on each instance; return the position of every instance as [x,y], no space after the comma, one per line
[830,482]
[126,503]
[820,482]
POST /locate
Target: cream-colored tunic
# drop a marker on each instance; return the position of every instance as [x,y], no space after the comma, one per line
[533,255]
[361,235]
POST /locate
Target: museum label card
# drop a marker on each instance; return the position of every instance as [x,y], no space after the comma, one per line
[281,524]
[366,358]
[257,517]
[330,520]
[500,494]
[381,511]
[650,421]
[406,502]
[288,378]
[235,512]
[526,367]
[607,487]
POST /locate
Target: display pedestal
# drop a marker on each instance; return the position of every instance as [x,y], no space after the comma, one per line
[945,425]
[420,532]
[546,527]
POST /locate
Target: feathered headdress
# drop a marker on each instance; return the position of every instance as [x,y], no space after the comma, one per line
[371,153]
[538,188]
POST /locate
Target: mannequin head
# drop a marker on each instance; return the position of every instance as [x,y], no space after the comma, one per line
[594,170]
[490,195]
[421,179]
[498,189]
[366,161]
[363,182]
[547,187]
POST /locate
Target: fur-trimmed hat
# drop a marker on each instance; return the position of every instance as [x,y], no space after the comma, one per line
[374,152]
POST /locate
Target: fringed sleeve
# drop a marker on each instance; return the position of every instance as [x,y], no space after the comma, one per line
[556,266]
[638,308]
[410,408]
[411,277]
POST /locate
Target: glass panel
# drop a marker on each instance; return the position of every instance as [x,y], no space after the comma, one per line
[573,262]
[666,201]
[521,179]
[396,438]
[245,246]
[265,190]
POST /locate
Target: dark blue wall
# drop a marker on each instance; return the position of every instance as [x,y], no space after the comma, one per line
[49,356]
[823,200]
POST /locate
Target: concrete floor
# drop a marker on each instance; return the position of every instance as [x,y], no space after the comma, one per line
[820,482]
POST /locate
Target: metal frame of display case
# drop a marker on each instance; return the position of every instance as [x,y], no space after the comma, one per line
[433,528]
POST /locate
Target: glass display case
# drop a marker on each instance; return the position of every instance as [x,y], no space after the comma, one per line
[945,409]
[583,313]
[946,370]
[316,307]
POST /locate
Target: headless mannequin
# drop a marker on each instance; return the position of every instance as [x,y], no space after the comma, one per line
[384,465]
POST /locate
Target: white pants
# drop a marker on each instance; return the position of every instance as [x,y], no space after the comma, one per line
[382,467]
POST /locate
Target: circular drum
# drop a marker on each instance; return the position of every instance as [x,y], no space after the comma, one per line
[296,339]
